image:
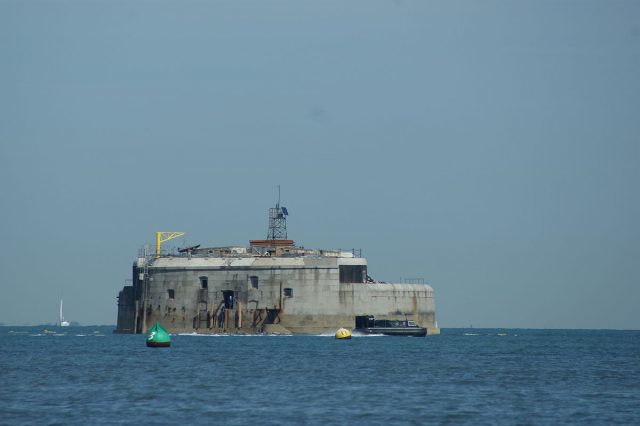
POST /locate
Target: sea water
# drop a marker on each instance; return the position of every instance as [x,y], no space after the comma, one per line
[87,375]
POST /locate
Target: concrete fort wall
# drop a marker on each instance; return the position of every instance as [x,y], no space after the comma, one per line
[176,297]
[320,310]
[126,310]
[300,295]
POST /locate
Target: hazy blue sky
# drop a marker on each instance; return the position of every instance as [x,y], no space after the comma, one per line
[491,147]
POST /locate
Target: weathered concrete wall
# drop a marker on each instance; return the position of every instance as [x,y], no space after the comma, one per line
[335,305]
[318,303]
[126,310]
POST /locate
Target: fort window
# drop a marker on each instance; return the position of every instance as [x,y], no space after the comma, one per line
[204,282]
[353,273]
[253,280]
[288,292]
[172,293]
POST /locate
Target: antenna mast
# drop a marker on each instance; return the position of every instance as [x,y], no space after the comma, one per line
[278,221]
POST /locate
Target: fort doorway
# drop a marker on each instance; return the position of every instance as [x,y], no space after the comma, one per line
[228,297]
[272,315]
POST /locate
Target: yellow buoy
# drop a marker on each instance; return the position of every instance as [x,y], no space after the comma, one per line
[343,333]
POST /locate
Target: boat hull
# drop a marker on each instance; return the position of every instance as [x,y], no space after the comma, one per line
[394,331]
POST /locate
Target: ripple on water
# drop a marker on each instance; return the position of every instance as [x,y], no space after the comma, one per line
[462,376]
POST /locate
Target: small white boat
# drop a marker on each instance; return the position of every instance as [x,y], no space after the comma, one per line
[61,321]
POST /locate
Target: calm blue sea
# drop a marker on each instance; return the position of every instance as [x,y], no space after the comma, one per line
[87,375]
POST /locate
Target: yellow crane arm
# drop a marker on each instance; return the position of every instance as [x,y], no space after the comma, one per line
[162,237]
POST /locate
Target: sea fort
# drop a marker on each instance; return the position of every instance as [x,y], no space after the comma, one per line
[270,286]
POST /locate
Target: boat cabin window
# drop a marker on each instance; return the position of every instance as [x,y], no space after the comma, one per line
[288,292]
[353,273]
[171,293]
[253,281]
[204,282]
[364,321]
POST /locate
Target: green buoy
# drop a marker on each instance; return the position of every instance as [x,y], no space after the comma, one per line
[158,337]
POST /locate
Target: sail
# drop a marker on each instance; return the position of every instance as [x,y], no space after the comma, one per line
[61,320]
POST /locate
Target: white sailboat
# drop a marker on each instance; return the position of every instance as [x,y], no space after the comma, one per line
[61,321]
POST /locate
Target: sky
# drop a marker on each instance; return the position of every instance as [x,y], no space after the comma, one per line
[489,147]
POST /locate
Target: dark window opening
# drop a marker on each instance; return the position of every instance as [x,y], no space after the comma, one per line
[227,295]
[288,292]
[204,282]
[172,293]
[353,273]
[254,281]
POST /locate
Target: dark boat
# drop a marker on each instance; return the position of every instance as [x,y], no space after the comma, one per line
[367,324]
